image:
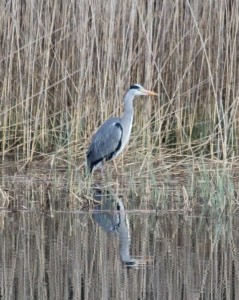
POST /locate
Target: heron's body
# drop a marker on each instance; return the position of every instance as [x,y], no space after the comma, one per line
[113,135]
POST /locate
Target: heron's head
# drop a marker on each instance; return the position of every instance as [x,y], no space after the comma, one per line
[138,90]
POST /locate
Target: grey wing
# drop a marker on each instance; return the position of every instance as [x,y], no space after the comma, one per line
[105,142]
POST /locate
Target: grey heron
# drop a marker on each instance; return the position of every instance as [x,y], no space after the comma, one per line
[113,135]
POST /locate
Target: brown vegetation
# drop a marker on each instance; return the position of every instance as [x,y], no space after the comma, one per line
[66,65]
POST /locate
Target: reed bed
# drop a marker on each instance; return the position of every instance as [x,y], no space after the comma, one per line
[65,67]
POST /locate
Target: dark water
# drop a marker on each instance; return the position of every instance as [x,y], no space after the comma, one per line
[117,255]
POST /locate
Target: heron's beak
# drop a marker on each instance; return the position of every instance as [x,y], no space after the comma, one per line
[149,93]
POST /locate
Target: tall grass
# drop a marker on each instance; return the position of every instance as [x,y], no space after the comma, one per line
[66,65]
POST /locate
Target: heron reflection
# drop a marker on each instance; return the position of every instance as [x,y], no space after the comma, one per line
[111,216]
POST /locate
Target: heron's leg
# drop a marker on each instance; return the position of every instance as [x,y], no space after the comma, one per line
[117,173]
[101,168]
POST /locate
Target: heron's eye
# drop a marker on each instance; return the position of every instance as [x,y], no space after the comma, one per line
[134,87]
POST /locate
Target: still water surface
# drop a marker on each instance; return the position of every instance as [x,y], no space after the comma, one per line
[53,250]
[118,255]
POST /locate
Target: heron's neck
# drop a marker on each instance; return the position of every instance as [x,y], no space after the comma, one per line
[127,118]
[128,103]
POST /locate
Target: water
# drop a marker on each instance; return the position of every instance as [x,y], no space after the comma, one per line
[117,255]
[51,249]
